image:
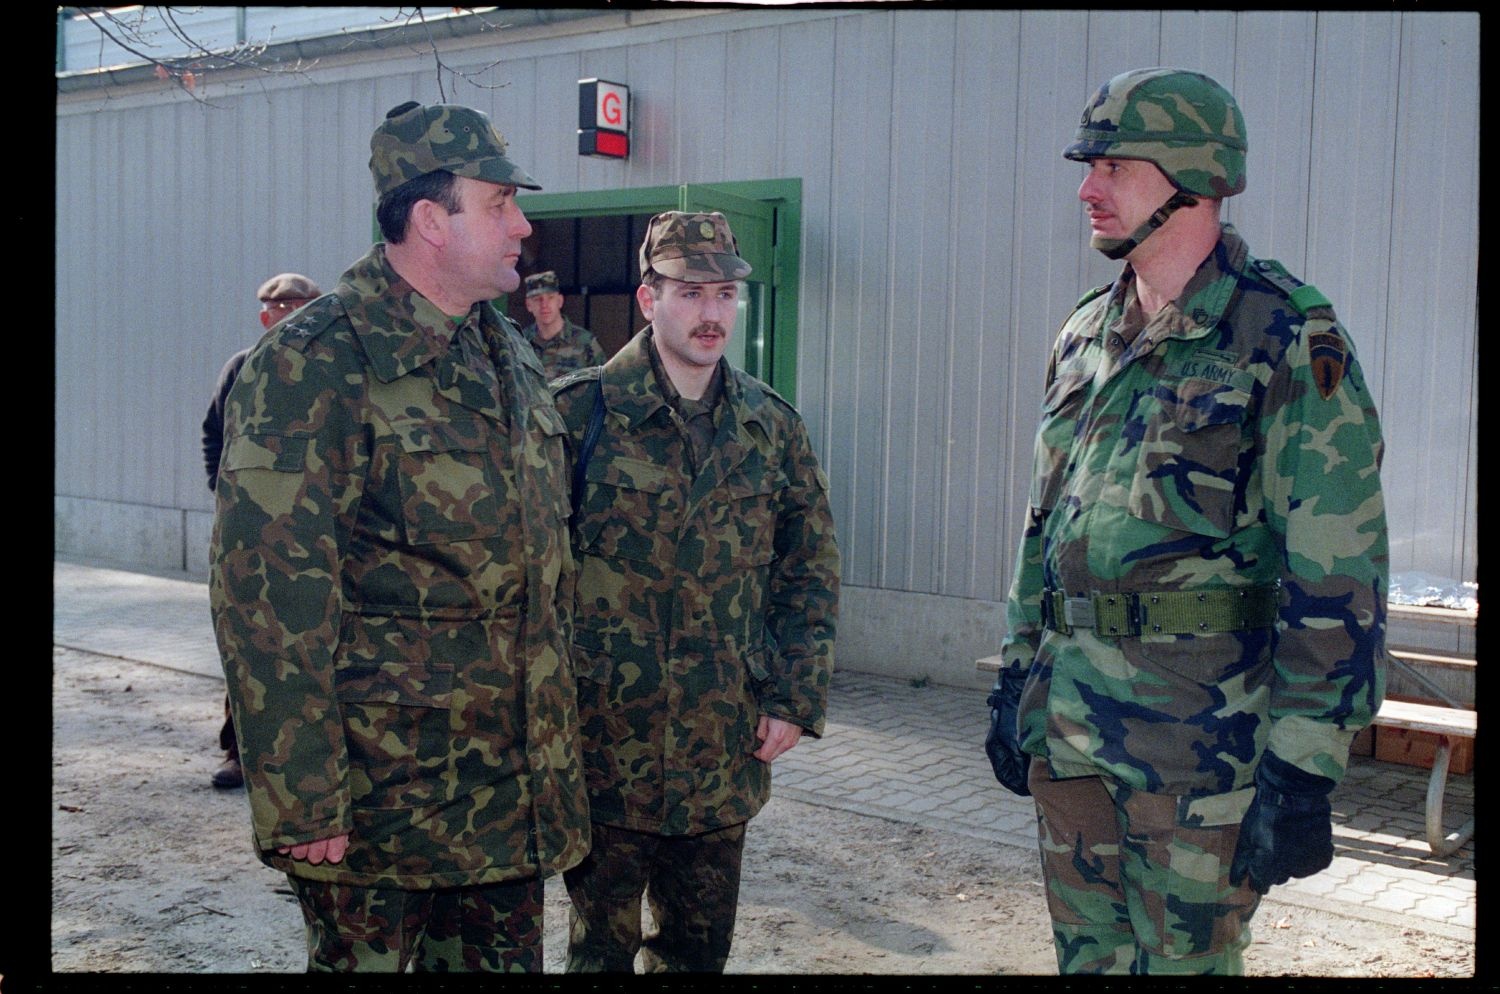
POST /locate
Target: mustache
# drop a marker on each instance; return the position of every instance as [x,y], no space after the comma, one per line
[710,326]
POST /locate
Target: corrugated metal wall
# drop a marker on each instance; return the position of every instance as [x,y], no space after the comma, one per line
[942,241]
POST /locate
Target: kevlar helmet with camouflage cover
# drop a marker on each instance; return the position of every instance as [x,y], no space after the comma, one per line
[1182,121]
[414,140]
[693,248]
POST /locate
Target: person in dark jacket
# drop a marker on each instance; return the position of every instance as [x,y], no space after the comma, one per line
[279,296]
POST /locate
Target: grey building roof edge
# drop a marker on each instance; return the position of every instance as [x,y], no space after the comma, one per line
[352,42]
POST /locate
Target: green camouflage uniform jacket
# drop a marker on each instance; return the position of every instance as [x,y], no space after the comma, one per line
[570,349]
[702,602]
[1233,445]
[389,556]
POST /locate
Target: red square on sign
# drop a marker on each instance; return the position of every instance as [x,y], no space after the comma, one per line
[610,143]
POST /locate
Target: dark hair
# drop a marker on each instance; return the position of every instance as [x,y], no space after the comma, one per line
[651,279]
[394,209]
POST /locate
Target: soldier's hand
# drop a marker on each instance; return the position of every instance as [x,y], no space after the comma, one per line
[1288,830]
[776,737]
[1003,743]
[318,850]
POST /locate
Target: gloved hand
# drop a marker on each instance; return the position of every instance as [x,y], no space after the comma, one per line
[1288,831]
[1003,743]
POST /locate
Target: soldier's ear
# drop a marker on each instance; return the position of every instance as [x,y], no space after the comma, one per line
[646,299]
[429,222]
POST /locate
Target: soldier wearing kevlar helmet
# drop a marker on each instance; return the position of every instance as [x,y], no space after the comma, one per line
[1183,122]
[1197,617]
[704,621]
[389,563]
[561,345]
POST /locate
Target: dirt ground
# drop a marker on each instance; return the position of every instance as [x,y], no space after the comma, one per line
[152,871]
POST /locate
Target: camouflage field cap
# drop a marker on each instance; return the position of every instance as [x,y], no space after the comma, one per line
[288,286]
[541,283]
[1183,121]
[414,140]
[693,248]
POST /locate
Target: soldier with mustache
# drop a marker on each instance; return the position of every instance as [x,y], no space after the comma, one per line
[704,619]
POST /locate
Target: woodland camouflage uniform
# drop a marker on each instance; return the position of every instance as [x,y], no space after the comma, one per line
[389,556]
[1200,589]
[570,349]
[705,600]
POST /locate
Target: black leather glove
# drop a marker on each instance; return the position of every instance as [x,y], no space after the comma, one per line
[1003,743]
[1288,831]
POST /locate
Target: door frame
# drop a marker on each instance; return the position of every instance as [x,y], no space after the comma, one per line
[785,195]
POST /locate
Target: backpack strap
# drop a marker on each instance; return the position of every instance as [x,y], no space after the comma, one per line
[586,451]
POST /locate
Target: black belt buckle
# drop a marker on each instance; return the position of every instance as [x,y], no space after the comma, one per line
[1133,614]
[1050,617]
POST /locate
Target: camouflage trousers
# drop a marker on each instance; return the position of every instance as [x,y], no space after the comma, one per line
[691,883]
[1139,883]
[491,928]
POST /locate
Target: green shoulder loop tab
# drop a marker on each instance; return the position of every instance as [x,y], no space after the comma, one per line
[1096,291]
[1306,297]
[1303,296]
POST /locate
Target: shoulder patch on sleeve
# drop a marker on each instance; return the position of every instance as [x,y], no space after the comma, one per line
[1328,355]
[1304,297]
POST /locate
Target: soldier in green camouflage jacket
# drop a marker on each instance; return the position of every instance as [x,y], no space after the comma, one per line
[561,345]
[704,622]
[389,558]
[1198,608]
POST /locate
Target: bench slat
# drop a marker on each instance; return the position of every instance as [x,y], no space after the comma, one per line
[1428,718]
[1432,659]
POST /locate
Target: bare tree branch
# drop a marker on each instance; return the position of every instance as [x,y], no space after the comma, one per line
[471,77]
[132,28]
[130,33]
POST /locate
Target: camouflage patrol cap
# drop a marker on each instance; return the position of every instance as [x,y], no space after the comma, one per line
[288,286]
[415,140]
[1183,121]
[541,283]
[693,248]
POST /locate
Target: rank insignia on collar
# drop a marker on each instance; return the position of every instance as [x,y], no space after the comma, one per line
[1328,355]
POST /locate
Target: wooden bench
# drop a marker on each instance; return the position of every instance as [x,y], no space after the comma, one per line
[1447,723]
[1452,719]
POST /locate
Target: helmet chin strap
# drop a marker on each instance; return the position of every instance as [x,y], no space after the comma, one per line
[1119,248]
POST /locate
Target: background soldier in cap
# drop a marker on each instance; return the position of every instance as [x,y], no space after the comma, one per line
[704,621]
[1198,609]
[389,557]
[279,296]
[561,345]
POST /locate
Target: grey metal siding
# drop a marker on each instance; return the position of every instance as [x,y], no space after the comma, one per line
[942,242]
